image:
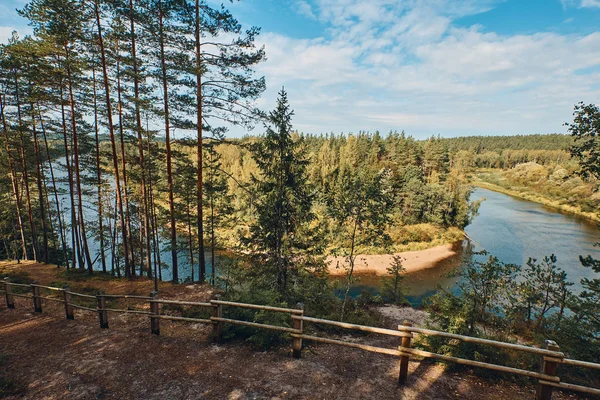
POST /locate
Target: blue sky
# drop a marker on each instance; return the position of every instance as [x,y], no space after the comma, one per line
[449,67]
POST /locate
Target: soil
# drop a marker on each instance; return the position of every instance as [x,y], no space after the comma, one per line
[377,264]
[45,356]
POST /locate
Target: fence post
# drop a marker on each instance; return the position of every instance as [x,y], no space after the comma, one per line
[404,358]
[10,300]
[67,299]
[154,309]
[102,314]
[37,302]
[217,325]
[298,324]
[548,367]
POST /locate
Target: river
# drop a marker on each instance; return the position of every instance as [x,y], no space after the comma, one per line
[513,230]
[509,228]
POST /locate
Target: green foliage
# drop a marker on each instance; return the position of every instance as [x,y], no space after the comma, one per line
[588,306]
[556,183]
[17,276]
[508,151]
[360,205]
[483,287]
[280,242]
[260,338]
[543,289]
[392,284]
[502,302]
[585,131]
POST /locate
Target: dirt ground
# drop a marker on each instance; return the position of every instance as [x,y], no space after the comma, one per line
[45,356]
[377,264]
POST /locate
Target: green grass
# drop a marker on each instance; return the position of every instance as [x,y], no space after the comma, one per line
[18,277]
[82,275]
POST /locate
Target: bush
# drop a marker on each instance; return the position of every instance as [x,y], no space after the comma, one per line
[259,338]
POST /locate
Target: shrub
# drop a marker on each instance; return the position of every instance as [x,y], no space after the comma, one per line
[259,338]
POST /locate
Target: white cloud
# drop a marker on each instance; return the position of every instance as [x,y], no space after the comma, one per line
[304,8]
[581,3]
[389,64]
[590,3]
[5,33]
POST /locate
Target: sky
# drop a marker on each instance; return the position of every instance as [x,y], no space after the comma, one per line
[428,67]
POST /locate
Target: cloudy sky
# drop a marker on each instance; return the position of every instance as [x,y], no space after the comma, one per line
[448,67]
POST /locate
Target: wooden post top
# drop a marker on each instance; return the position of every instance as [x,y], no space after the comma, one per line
[551,345]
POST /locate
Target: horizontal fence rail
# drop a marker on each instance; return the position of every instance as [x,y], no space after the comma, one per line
[470,339]
[551,356]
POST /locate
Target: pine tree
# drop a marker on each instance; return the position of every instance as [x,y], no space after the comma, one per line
[284,199]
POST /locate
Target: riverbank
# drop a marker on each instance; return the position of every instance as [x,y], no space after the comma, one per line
[535,198]
[377,264]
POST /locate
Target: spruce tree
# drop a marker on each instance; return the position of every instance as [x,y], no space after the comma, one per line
[284,200]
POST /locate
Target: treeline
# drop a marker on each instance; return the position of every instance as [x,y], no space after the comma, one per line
[427,187]
[133,72]
[509,151]
[479,144]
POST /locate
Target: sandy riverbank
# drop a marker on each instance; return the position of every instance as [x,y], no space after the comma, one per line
[376,264]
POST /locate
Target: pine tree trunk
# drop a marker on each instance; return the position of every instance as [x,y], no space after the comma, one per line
[55,191]
[154,224]
[74,245]
[25,174]
[212,240]
[113,143]
[351,259]
[138,121]
[98,176]
[201,259]
[190,241]
[13,181]
[82,231]
[112,228]
[168,145]
[40,188]
[124,165]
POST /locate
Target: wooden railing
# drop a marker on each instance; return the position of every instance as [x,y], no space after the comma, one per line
[551,356]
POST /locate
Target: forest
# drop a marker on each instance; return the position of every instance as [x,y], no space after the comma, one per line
[538,168]
[96,178]
[115,160]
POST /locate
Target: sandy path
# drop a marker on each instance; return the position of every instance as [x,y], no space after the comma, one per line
[377,263]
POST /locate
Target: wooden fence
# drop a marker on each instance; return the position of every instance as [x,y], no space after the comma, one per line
[551,356]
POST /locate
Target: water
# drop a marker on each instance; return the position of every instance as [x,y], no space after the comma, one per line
[90,212]
[513,230]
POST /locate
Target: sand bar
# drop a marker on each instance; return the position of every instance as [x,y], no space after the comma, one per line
[376,264]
